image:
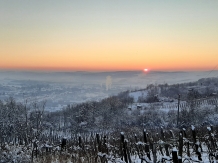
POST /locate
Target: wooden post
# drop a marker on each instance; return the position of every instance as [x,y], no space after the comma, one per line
[193,134]
[145,136]
[180,144]
[211,138]
[162,134]
[179,159]
[188,150]
[147,144]
[178,110]
[136,139]
[104,149]
[125,151]
[123,146]
[184,132]
[80,142]
[174,155]
[147,151]
[167,149]
[97,138]
[211,126]
[154,153]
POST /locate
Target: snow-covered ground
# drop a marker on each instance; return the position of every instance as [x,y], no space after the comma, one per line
[137,94]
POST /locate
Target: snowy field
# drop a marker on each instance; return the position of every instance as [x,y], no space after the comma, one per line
[195,145]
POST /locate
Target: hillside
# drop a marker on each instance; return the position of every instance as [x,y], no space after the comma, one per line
[23,124]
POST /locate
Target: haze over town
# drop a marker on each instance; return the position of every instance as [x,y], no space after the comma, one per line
[60,89]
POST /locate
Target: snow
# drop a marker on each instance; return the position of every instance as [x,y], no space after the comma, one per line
[166,158]
[20,154]
[174,149]
[140,143]
[83,123]
[137,94]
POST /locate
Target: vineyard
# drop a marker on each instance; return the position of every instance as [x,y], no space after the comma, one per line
[197,102]
[194,144]
[113,130]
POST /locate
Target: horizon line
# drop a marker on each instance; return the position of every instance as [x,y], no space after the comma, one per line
[98,71]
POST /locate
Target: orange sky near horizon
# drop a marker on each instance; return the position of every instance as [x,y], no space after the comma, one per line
[80,36]
[121,55]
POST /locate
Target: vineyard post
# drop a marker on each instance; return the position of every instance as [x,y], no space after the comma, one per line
[98,142]
[179,159]
[184,132]
[211,126]
[178,110]
[188,151]
[123,147]
[136,140]
[174,155]
[145,134]
[154,150]
[193,134]
[162,134]
[213,144]
[180,144]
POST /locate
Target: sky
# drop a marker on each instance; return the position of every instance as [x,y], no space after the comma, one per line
[95,35]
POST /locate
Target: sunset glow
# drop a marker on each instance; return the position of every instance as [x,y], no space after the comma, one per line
[104,36]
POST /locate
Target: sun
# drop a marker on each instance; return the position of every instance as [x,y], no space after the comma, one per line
[146,70]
